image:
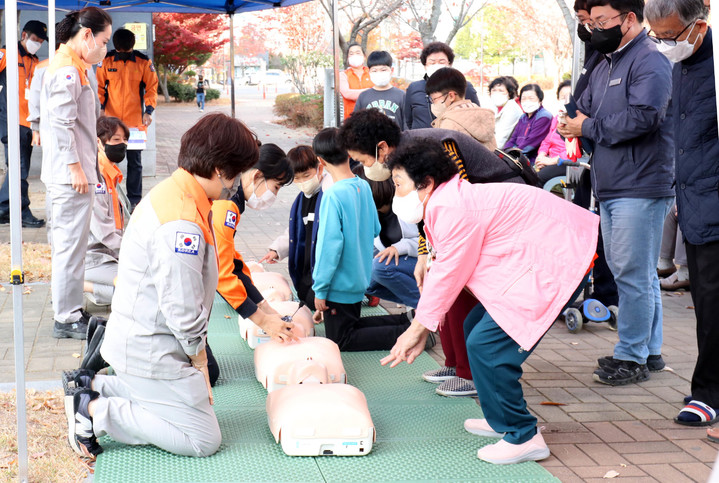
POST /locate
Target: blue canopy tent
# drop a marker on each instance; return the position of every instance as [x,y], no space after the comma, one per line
[229,7]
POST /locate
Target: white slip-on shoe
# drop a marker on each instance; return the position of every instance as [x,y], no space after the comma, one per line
[504,453]
[481,427]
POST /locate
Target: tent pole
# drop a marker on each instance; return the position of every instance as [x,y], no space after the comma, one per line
[16,277]
[51,29]
[336,61]
[232,62]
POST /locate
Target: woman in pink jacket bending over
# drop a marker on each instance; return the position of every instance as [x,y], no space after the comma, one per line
[521,251]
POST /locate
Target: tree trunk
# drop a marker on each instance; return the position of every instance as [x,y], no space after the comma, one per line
[427,27]
[568,18]
[163,84]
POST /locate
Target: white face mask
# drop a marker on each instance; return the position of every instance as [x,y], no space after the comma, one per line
[263,202]
[438,108]
[409,208]
[431,69]
[530,106]
[378,171]
[499,99]
[309,187]
[355,60]
[32,47]
[380,79]
[679,52]
[96,54]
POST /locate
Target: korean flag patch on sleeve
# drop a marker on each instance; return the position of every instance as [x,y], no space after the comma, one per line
[188,243]
[100,189]
[231,219]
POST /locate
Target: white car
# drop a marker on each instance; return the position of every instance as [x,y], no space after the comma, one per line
[275,77]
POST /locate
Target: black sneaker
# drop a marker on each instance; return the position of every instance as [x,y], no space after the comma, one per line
[621,373]
[30,221]
[655,363]
[77,379]
[72,330]
[93,360]
[80,434]
[4,217]
[93,323]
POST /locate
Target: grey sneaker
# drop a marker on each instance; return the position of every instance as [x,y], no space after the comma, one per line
[440,375]
[457,387]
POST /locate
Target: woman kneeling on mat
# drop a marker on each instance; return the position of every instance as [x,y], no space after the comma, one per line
[156,336]
[520,251]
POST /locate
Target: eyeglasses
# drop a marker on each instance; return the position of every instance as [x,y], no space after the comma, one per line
[434,100]
[670,42]
[600,25]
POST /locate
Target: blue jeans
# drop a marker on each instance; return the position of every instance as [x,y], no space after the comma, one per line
[632,232]
[201,100]
[395,283]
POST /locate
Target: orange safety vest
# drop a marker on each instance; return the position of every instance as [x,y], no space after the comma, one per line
[355,83]
[180,197]
[123,87]
[113,176]
[26,68]
[225,218]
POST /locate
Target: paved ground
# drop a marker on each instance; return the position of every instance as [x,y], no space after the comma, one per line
[597,429]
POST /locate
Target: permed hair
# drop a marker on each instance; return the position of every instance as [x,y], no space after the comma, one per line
[364,129]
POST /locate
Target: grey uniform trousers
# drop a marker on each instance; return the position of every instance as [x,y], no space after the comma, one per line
[69,213]
[102,278]
[172,414]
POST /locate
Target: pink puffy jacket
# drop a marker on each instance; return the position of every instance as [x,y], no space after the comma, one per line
[520,250]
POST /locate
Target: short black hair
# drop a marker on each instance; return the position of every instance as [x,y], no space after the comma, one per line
[433,48]
[382,191]
[580,5]
[327,145]
[302,158]
[218,142]
[562,85]
[273,164]
[107,127]
[623,6]
[509,83]
[364,129]
[423,159]
[535,88]
[447,79]
[123,39]
[379,57]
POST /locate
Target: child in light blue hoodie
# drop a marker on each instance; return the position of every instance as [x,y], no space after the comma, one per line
[343,257]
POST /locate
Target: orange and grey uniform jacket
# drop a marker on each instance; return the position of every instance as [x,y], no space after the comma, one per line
[166,283]
[108,222]
[127,89]
[68,118]
[235,281]
[26,68]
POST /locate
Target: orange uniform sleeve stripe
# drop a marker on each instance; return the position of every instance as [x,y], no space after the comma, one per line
[228,285]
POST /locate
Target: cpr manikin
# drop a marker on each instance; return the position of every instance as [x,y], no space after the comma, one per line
[272,286]
[336,422]
[255,267]
[301,317]
[274,360]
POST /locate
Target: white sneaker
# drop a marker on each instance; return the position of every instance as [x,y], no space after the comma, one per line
[504,453]
[481,427]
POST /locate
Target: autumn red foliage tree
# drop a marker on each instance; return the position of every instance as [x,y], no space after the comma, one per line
[182,40]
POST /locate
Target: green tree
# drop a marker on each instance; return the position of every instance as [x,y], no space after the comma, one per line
[489,37]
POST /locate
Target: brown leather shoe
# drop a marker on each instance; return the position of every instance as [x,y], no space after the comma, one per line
[672,283]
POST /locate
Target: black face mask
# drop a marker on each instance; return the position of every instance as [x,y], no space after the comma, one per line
[607,41]
[584,34]
[124,55]
[116,152]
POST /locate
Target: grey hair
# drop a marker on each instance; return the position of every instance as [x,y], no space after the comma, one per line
[688,10]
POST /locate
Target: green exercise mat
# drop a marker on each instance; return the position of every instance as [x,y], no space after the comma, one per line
[419,434]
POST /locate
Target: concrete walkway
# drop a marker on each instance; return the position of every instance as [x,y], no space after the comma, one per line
[596,429]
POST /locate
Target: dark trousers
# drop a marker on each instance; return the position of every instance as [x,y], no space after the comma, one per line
[451,333]
[25,154]
[703,264]
[604,287]
[344,326]
[212,367]
[134,176]
[306,295]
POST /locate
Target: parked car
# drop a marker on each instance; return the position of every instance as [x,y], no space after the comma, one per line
[276,77]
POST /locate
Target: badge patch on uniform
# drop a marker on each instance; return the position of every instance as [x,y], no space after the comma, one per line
[152,67]
[70,77]
[100,189]
[188,243]
[231,219]
[615,82]
[112,70]
[99,64]
[2,54]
